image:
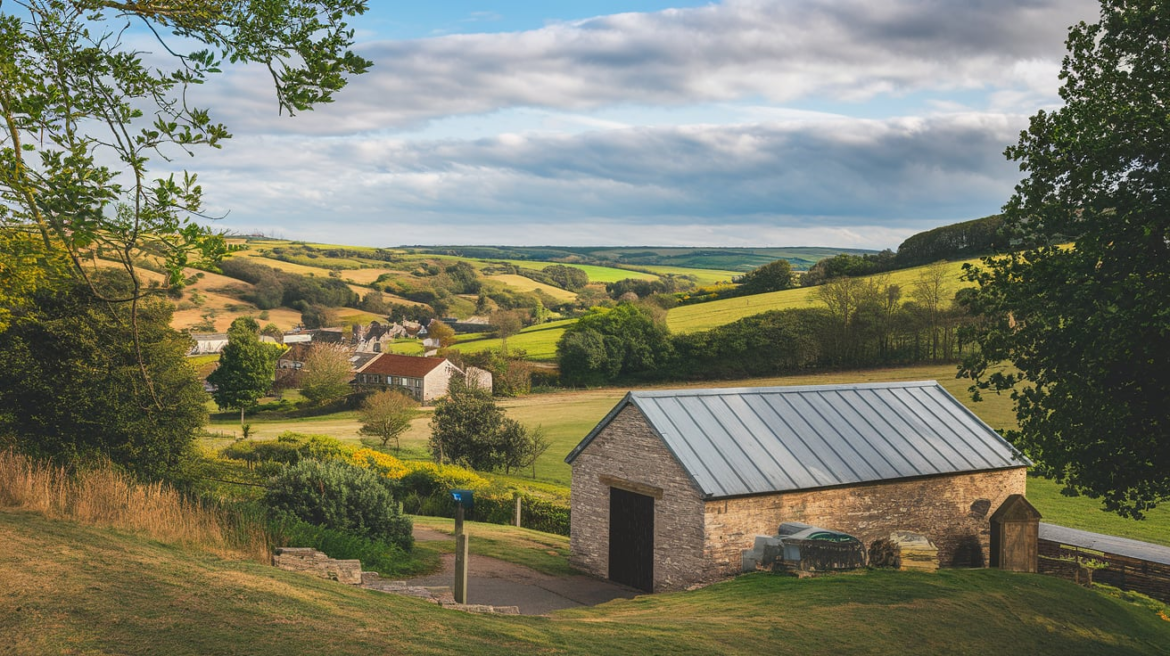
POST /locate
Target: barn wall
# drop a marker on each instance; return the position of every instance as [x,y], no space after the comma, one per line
[952,510]
[627,449]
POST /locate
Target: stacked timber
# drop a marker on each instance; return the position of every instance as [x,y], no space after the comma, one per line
[904,551]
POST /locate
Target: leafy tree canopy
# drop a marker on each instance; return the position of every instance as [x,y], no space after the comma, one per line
[71,384]
[1087,327]
[771,277]
[82,112]
[246,367]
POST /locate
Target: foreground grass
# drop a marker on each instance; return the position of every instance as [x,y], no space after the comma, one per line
[74,589]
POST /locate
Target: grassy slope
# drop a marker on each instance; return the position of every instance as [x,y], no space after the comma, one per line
[1086,514]
[702,277]
[704,316]
[73,589]
[529,285]
[539,342]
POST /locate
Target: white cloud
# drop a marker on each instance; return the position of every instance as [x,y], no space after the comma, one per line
[782,182]
[775,52]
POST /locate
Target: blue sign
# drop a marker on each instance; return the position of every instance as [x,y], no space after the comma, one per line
[465,498]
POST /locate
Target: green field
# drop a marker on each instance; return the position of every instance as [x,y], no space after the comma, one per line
[539,341]
[595,273]
[702,277]
[705,316]
[83,590]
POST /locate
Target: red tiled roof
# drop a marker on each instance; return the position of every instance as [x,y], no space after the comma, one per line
[392,364]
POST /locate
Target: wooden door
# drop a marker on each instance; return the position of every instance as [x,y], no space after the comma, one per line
[631,539]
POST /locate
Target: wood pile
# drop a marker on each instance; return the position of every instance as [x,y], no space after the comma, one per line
[904,551]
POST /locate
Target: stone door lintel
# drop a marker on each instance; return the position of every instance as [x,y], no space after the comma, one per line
[630,486]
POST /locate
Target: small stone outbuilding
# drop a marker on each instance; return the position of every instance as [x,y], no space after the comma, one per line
[672,486]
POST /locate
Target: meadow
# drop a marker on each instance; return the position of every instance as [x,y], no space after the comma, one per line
[72,588]
[704,316]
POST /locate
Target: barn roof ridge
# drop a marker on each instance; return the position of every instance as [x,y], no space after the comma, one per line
[759,440]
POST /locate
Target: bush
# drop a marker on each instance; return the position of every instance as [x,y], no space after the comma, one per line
[341,496]
[376,555]
[288,448]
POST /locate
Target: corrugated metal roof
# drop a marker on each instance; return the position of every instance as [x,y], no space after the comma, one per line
[1155,553]
[735,442]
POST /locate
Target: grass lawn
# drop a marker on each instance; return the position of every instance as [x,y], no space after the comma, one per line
[1086,514]
[83,590]
[704,316]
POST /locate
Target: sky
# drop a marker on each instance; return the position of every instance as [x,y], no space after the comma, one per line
[843,123]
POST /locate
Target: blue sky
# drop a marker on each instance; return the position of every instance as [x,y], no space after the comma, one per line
[844,123]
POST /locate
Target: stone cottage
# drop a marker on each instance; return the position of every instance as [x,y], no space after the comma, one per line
[672,486]
[426,379]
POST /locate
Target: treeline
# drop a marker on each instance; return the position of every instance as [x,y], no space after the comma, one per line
[952,242]
[861,323]
[272,288]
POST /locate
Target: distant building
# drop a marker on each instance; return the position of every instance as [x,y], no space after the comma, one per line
[208,343]
[426,379]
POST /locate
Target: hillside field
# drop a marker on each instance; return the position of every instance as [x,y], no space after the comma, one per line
[83,590]
[704,316]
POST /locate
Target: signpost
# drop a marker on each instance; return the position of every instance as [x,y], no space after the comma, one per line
[463,499]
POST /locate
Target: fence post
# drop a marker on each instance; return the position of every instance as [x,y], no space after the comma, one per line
[519,501]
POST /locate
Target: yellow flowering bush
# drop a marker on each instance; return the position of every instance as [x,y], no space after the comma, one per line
[383,463]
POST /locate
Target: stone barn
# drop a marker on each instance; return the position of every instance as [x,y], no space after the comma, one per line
[672,486]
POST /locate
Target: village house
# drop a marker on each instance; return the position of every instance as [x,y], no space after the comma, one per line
[426,379]
[672,486]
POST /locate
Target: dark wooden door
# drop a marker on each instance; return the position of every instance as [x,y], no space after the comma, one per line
[631,539]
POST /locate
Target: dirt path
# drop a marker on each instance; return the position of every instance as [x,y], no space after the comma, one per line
[500,583]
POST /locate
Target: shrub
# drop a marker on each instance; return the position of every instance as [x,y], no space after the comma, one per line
[376,555]
[341,496]
[288,448]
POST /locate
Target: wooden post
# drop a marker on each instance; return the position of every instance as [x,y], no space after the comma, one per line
[460,557]
[519,502]
[461,568]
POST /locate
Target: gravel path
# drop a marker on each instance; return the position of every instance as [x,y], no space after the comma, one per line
[500,583]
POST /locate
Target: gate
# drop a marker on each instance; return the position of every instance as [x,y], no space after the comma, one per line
[631,539]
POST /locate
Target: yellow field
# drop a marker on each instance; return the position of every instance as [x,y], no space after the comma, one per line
[704,316]
[530,285]
[365,276]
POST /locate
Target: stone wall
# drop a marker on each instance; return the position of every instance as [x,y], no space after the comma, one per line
[952,510]
[311,561]
[627,454]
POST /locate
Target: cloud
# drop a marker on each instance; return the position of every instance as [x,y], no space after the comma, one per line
[861,182]
[777,52]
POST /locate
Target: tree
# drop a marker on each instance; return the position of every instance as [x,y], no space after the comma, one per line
[605,343]
[75,94]
[246,368]
[1087,328]
[438,330]
[386,415]
[326,373]
[82,112]
[771,277]
[507,324]
[71,386]
[468,428]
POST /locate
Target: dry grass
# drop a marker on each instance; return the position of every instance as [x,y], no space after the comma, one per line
[104,496]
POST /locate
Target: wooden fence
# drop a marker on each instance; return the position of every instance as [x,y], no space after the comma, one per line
[1126,564]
